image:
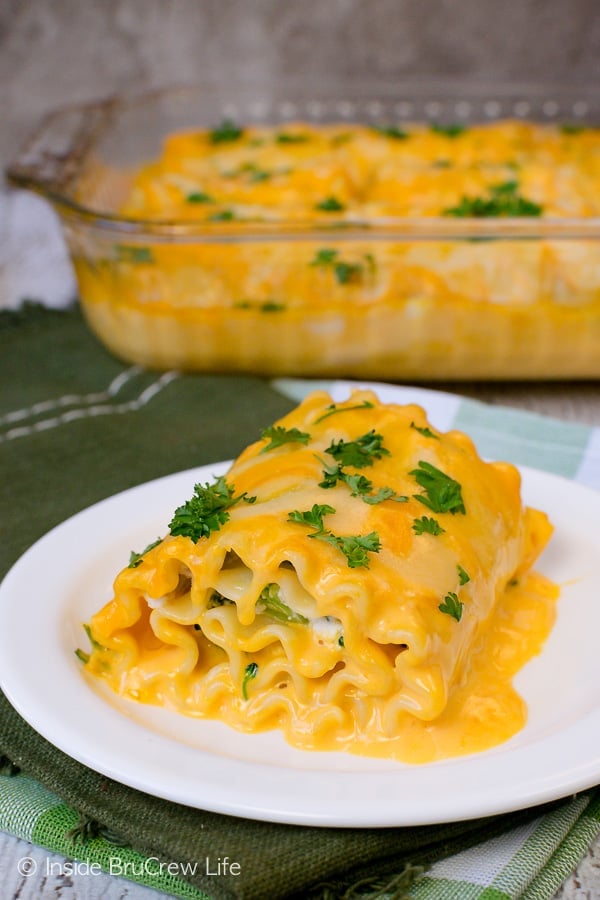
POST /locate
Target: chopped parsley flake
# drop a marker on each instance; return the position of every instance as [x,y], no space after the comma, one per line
[502,200]
[426,432]
[199,197]
[136,558]
[289,137]
[131,254]
[312,517]
[392,131]
[359,453]
[427,525]
[345,272]
[224,215]
[463,576]
[330,204]
[226,132]
[207,510]
[354,547]
[250,672]
[450,131]
[273,606]
[359,485]
[277,435]
[442,493]
[332,409]
[452,606]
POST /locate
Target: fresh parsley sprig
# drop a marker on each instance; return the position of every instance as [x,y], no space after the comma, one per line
[427,525]
[426,432]
[359,453]
[312,517]
[226,132]
[502,200]
[330,204]
[206,510]
[333,408]
[452,606]
[360,485]
[136,558]
[463,576]
[250,672]
[277,435]
[391,131]
[354,547]
[345,272]
[442,493]
[449,131]
[273,606]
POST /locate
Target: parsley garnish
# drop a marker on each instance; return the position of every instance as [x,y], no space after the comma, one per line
[250,672]
[131,254]
[312,517]
[572,129]
[330,204]
[359,485]
[442,493]
[278,435]
[452,606]
[463,576]
[345,272]
[502,200]
[332,409]
[288,137]
[354,547]
[277,609]
[391,131]
[427,525]
[217,599]
[206,511]
[227,131]
[359,453]
[267,306]
[224,215]
[136,558]
[450,131]
[199,197]
[426,432]
[81,654]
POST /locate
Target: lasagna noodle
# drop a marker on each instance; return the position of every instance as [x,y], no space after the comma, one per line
[265,624]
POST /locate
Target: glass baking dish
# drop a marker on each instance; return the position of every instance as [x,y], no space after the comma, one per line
[363,294]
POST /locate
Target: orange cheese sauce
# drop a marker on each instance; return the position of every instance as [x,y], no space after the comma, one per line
[264,623]
[341,299]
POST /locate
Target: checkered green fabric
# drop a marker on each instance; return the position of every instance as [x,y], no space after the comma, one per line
[76,426]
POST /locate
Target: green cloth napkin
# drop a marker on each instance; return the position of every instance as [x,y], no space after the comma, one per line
[76,425]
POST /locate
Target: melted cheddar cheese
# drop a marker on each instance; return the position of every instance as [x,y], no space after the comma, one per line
[347,288]
[368,588]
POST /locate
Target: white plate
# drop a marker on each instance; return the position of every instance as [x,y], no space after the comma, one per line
[67,575]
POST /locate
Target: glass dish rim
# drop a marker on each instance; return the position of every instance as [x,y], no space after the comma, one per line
[280,227]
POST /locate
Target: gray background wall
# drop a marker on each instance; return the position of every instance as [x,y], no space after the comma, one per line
[54,52]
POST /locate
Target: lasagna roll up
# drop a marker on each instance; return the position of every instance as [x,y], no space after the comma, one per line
[340,582]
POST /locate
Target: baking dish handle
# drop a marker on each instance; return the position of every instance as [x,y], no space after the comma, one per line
[51,159]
